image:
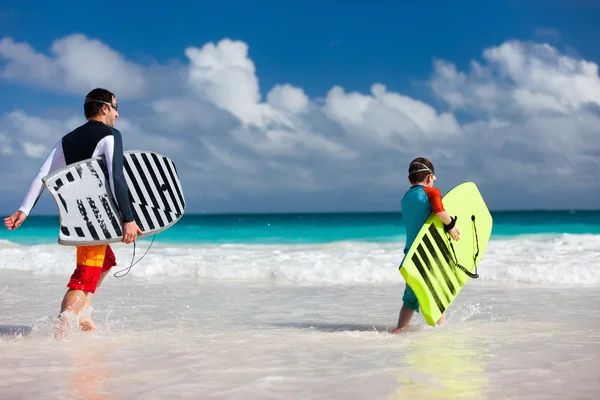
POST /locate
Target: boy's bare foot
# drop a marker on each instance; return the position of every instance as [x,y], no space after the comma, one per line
[441,320]
[397,330]
[88,325]
[403,319]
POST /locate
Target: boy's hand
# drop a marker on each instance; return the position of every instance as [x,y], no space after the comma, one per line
[449,225]
[455,233]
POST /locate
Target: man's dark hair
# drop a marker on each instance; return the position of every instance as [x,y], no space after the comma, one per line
[91,108]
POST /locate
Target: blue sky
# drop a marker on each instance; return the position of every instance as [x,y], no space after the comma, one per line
[322,158]
[315,44]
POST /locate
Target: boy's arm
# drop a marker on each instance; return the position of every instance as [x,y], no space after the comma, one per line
[437,207]
[444,216]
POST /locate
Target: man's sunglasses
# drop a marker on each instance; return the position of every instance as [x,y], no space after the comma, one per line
[115,106]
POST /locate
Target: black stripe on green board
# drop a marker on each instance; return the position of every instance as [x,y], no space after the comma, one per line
[439,264]
[440,243]
[419,266]
[430,267]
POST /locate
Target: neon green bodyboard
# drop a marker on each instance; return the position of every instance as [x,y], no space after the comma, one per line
[435,266]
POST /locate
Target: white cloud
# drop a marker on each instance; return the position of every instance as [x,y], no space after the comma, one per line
[529,124]
[25,141]
[76,65]
[34,150]
[540,128]
[5,145]
[289,98]
[37,128]
[520,78]
[224,74]
[183,112]
[387,115]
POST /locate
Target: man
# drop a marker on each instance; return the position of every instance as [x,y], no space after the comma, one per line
[97,137]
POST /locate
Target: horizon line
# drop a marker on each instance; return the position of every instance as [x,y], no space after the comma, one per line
[516,210]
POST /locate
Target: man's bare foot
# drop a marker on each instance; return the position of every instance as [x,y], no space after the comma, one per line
[398,330]
[60,329]
[88,325]
[65,321]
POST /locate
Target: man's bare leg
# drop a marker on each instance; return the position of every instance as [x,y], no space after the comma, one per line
[72,304]
[403,319]
[86,322]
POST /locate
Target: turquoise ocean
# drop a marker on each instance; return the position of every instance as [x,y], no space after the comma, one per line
[333,248]
[312,228]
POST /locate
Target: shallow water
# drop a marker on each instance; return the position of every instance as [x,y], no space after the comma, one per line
[189,337]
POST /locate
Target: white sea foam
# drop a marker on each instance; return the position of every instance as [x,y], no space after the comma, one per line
[558,259]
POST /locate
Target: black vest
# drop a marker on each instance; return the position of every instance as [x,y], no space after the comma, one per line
[80,144]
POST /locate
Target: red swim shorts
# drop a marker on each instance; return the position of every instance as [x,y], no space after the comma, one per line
[92,261]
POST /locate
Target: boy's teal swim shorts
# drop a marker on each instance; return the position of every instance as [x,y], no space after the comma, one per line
[410,299]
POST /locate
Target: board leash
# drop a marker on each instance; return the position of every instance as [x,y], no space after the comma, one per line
[133,257]
[466,271]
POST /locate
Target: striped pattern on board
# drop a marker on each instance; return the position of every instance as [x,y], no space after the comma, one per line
[89,215]
[437,267]
[155,190]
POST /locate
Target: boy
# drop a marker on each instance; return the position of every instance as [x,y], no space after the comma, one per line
[417,204]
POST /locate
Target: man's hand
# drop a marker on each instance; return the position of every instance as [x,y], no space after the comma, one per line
[130,232]
[15,220]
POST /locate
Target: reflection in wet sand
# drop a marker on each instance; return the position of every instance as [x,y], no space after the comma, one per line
[444,365]
[91,372]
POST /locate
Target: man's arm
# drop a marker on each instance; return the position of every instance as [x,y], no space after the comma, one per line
[54,160]
[113,153]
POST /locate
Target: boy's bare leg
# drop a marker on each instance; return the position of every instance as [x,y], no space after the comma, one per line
[403,319]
